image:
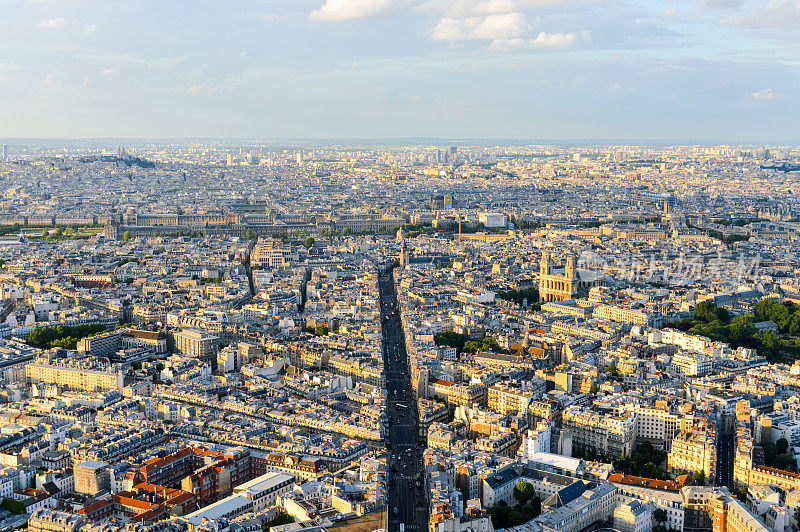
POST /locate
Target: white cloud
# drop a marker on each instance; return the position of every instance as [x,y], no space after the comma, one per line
[776,14]
[501,26]
[342,10]
[89,29]
[670,12]
[502,23]
[763,94]
[543,41]
[490,28]
[51,23]
[107,71]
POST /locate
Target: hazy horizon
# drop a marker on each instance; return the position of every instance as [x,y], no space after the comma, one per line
[421,140]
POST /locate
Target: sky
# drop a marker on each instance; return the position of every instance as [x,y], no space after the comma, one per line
[516,69]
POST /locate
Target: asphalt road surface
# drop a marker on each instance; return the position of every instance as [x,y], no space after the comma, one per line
[407,500]
[725,455]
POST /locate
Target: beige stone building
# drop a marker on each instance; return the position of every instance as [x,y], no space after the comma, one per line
[694,450]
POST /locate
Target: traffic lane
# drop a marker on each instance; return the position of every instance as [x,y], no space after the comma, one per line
[395,360]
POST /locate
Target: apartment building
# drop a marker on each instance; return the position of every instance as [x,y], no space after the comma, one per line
[48,520]
[611,435]
[625,315]
[655,424]
[694,450]
[505,399]
[692,364]
[302,468]
[633,516]
[92,477]
[730,515]
[75,377]
[467,394]
[593,505]
[536,440]
[197,344]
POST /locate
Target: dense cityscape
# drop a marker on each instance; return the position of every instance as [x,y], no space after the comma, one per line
[419,335]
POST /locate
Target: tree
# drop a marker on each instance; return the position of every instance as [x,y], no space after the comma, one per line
[523,491]
[126,236]
[785,462]
[741,328]
[797,515]
[452,339]
[704,311]
[309,242]
[642,462]
[536,503]
[472,346]
[794,325]
[659,515]
[515,517]
[249,234]
[281,519]
[13,506]
[707,312]
[321,330]
[699,477]
[500,513]
[782,445]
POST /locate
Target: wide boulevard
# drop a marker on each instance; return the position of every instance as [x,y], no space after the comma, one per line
[407,502]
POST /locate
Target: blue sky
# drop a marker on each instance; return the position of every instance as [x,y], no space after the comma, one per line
[538,69]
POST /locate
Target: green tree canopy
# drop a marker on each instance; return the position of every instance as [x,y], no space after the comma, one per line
[523,491]
[782,445]
[14,506]
[707,311]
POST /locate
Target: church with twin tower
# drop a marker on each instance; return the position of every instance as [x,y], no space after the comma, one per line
[557,286]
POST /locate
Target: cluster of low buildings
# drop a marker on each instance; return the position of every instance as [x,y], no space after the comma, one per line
[193,341]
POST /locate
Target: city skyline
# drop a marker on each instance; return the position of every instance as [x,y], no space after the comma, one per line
[511,69]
